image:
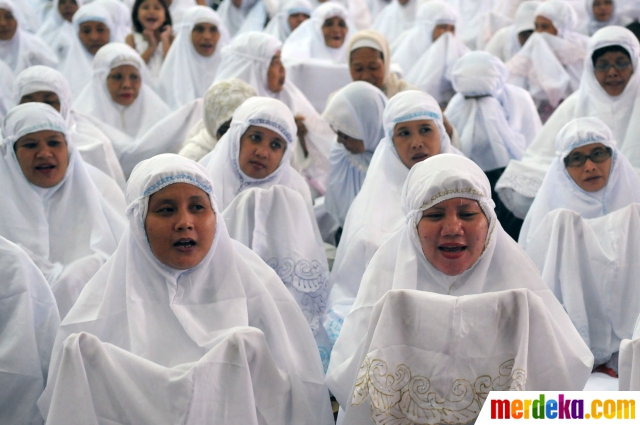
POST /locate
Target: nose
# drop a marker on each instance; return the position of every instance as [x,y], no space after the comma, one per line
[451,226]
[126,82]
[44,152]
[262,150]
[589,165]
[184,222]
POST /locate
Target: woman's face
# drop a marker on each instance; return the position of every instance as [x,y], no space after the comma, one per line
[441,29]
[545,25]
[416,141]
[295,19]
[367,65]
[123,83]
[180,225]
[204,37]
[94,35]
[276,74]
[593,175]
[602,10]
[67,9]
[354,146]
[261,151]
[43,157]
[613,71]
[151,15]
[8,24]
[334,31]
[452,235]
[48,97]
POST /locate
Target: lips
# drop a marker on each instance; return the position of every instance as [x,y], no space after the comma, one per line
[452,251]
[185,244]
[45,168]
[419,157]
[258,165]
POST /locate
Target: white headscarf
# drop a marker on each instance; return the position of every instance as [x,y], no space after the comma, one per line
[356,111]
[94,146]
[24,49]
[592,25]
[400,264]
[56,31]
[173,317]
[120,17]
[40,219]
[95,99]
[6,88]
[307,41]
[222,163]
[496,121]
[234,18]
[559,190]
[395,18]
[505,43]
[278,26]
[185,74]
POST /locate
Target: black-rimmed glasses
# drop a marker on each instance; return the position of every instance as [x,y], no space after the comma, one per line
[597,155]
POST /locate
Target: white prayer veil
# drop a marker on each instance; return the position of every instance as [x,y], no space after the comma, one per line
[95,100]
[234,18]
[174,317]
[400,264]
[6,88]
[559,190]
[40,219]
[179,84]
[120,17]
[356,111]
[24,49]
[496,121]
[395,18]
[56,31]
[222,163]
[307,41]
[505,43]
[592,25]
[278,26]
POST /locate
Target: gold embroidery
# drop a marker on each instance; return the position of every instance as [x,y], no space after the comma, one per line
[401,399]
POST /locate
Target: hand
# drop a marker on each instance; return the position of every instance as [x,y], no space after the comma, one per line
[151,38]
[301,133]
[165,35]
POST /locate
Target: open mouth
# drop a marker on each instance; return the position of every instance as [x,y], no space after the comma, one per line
[419,157]
[592,179]
[45,168]
[452,251]
[185,244]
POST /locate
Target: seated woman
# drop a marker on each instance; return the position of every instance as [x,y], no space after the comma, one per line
[188,286]
[118,95]
[413,131]
[291,14]
[19,48]
[43,84]
[608,91]
[220,102]
[601,14]
[355,114]
[452,244]
[240,16]
[398,16]
[255,58]
[192,62]
[508,41]
[57,29]
[66,214]
[323,37]
[589,176]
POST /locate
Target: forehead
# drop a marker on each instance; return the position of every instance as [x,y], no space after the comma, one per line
[365,54]
[40,135]
[267,133]
[456,203]
[414,124]
[586,149]
[92,24]
[613,57]
[126,69]
[178,192]
[41,94]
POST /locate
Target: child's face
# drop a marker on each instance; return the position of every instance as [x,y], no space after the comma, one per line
[205,37]
[151,15]
[94,35]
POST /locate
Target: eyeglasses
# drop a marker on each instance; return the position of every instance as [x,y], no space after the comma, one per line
[604,66]
[598,155]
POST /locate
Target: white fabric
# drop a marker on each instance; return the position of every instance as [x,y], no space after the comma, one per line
[186,75]
[590,265]
[395,18]
[234,17]
[24,49]
[505,44]
[307,41]
[357,112]
[431,356]
[278,26]
[157,57]
[95,99]
[592,25]
[276,224]
[170,318]
[222,163]
[57,32]
[248,58]
[39,220]
[376,212]
[472,13]
[559,190]
[29,321]
[177,10]
[94,146]
[629,363]
[220,102]
[6,88]
[522,179]
[496,121]
[120,17]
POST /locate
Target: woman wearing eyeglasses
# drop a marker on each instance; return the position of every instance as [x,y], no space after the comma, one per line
[589,176]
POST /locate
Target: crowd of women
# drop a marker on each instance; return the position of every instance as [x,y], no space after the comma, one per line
[292,211]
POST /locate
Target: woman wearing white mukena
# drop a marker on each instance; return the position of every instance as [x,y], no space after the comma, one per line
[291,13]
[507,41]
[608,90]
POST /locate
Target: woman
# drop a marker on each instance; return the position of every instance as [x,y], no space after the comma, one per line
[323,37]
[589,176]
[395,18]
[240,16]
[413,131]
[66,214]
[255,58]
[507,41]
[601,13]
[606,92]
[369,60]
[188,285]
[220,102]
[198,43]
[18,48]
[291,14]
[43,84]
[451,243]
[57,30]
[355,114]
[118,94]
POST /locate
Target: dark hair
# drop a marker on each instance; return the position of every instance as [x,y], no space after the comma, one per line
[603,50]
[136,22]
